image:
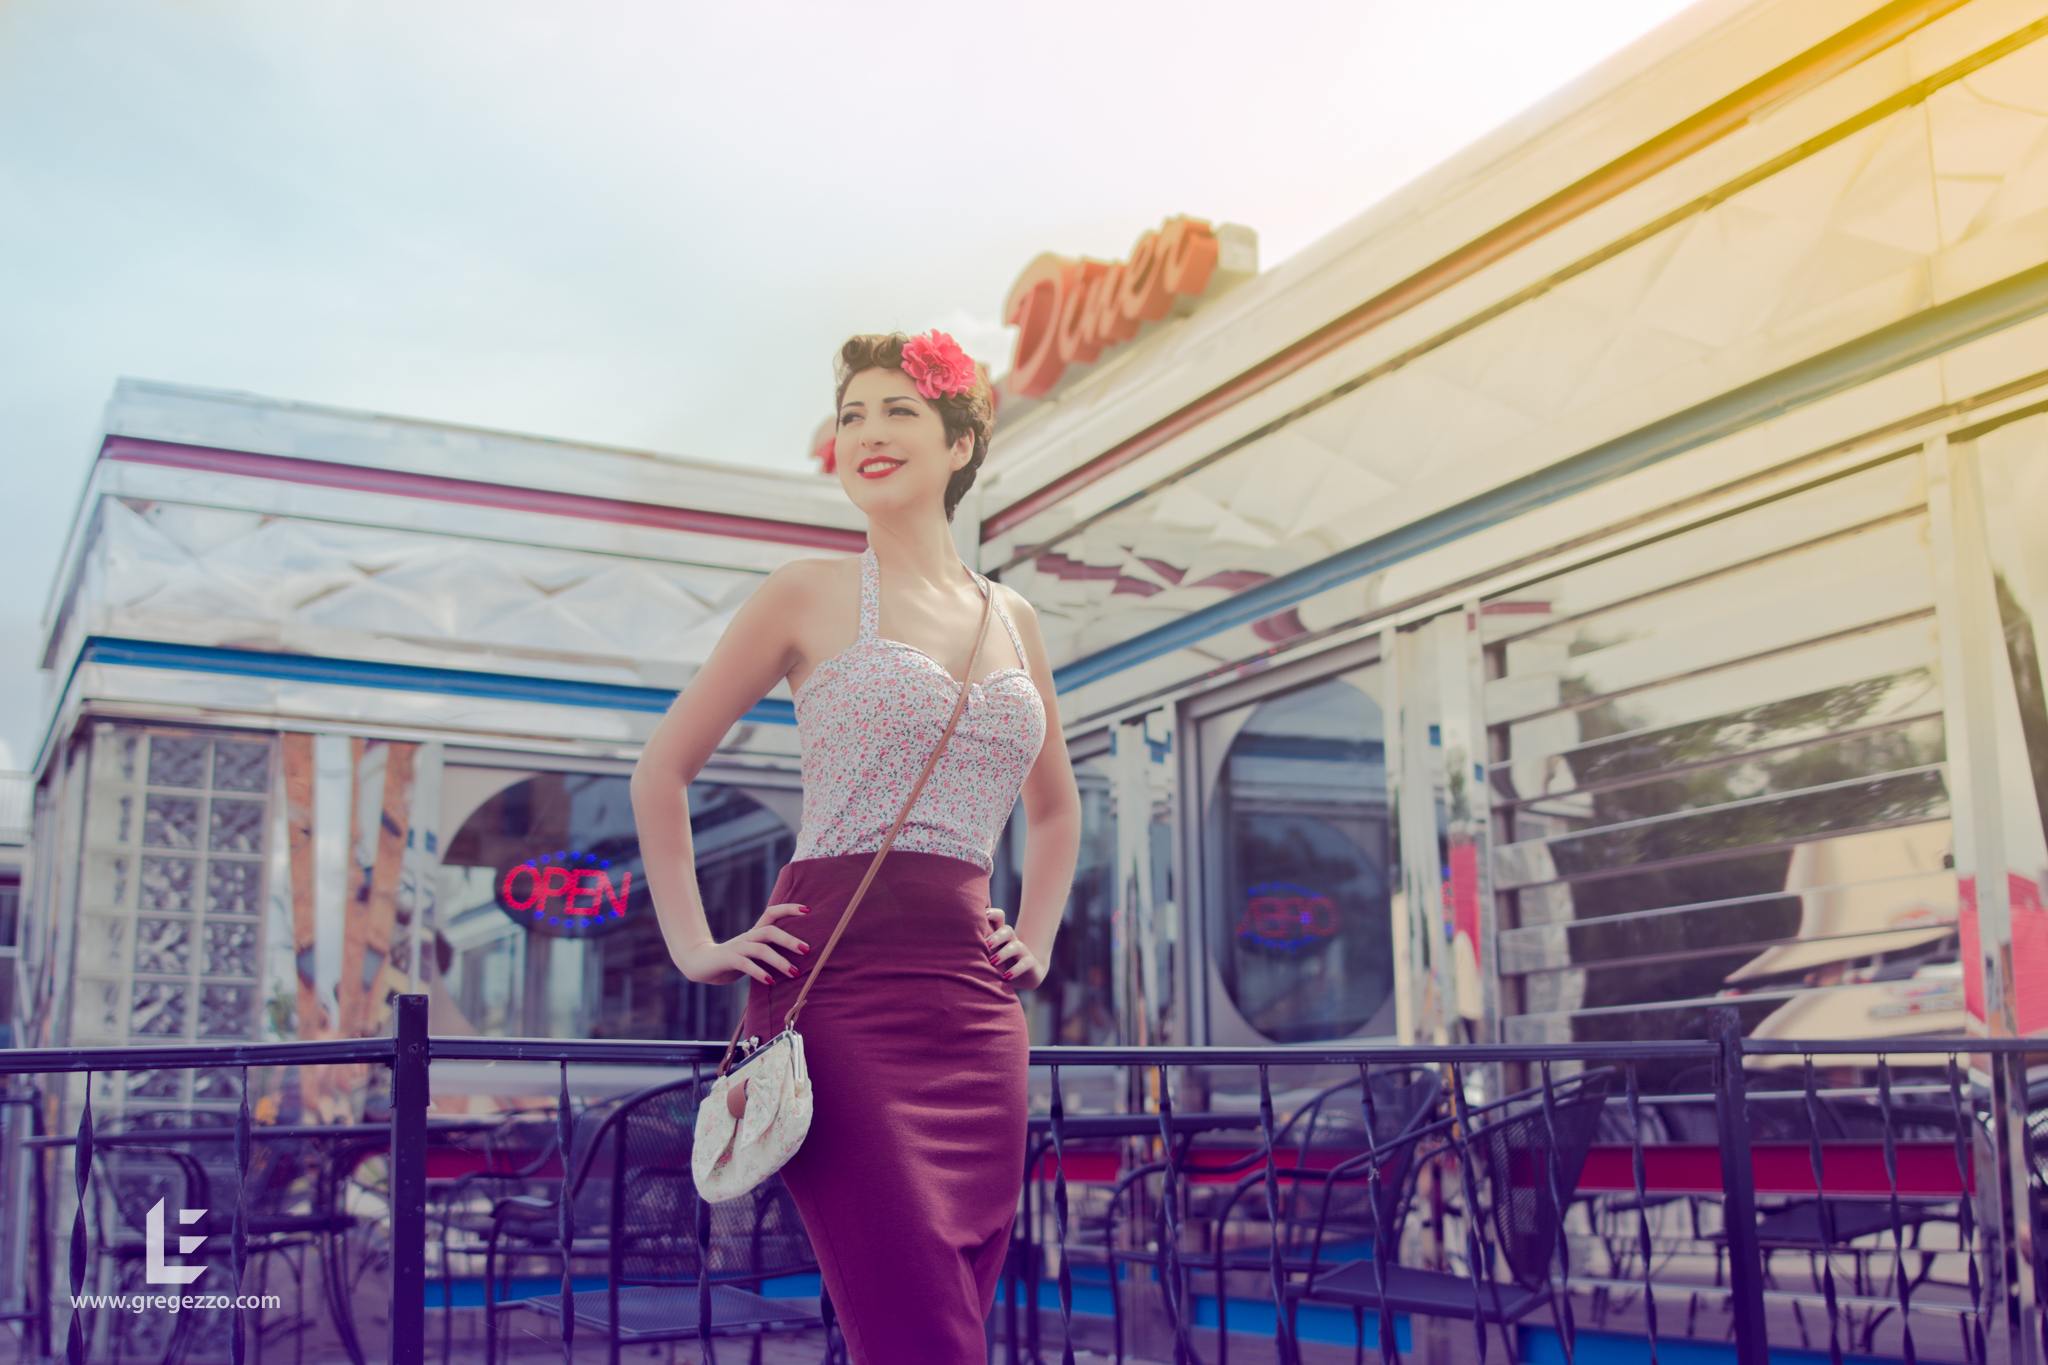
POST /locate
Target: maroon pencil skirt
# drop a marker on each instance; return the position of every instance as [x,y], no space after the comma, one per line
[918,1056]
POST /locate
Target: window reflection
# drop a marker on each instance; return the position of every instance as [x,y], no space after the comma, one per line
[1299,903]
[1718,770]
[1076,1005]
[621,984]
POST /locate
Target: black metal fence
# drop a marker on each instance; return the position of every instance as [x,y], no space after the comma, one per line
[1454,1188]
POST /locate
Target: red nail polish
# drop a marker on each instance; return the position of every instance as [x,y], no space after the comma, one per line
[1008,975]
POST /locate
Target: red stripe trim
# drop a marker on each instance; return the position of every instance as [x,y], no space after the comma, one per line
[1872,34]
[1927,1170]
[476,493]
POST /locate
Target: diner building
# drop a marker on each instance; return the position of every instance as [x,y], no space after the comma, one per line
[1596,583]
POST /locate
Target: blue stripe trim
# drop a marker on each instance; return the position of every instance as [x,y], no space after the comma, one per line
[1907,342]
[449,682]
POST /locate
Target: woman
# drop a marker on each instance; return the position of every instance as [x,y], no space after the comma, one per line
[915,1042]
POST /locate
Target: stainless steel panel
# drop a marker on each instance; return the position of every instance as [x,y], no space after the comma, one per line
[1708,781]
[211,576]
[1772,821]
[1926,1003]
[1852,679]
[1899,701]
[1787,527]
[1771,607]
[1078,1001]
[1749,923]
[1643,1023]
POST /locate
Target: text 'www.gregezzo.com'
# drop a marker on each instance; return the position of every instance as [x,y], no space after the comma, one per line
[157,1269]
[174,1303]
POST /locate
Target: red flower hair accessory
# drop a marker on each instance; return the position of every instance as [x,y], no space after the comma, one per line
[938,366]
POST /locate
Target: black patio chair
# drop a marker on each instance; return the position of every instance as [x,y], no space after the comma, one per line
[676,1267]
[525,1225]
[1617,1218]
[130,1180]
[1348,1203]
[1520,1159]
[521,1156]
[294,1209]
[294,1206]
[1782,1112]
[1100,1239]
[1402,1098]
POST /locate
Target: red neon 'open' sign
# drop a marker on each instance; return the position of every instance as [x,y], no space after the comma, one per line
[569,892]
[544,884]
[1287,917]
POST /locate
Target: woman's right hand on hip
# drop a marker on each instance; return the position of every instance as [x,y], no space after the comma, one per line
[752,954]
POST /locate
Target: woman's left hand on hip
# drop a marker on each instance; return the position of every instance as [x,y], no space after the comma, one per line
[1011,957]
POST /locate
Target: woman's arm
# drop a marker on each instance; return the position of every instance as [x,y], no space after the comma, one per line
[759,647]
[1052,826]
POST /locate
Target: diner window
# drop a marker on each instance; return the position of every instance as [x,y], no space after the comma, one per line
[1076,1004]
[1298,863]
[554,930]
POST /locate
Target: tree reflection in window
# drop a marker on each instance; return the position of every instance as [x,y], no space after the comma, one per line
[1300,904]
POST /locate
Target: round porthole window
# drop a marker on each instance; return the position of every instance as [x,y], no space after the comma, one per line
[1300,868]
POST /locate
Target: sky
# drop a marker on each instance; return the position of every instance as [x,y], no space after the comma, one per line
[649,224]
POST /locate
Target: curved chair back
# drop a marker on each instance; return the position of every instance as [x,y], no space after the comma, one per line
[1527,1155]
[633,1182]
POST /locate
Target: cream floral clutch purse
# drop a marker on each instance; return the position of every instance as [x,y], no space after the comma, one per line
[731,1156]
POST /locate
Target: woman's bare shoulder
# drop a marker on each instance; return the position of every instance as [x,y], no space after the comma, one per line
[809,597]
[1017,606]
[801,579]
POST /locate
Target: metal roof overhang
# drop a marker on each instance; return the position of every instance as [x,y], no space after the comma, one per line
[1837,53]
[477,492]
[1873,355]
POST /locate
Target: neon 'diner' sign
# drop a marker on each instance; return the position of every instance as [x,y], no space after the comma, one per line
[568,893]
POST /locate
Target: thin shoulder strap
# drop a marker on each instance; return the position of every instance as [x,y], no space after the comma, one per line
[875,864]
[1017,644]
[870,594]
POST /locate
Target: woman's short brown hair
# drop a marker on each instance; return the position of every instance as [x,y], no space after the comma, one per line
[971,412]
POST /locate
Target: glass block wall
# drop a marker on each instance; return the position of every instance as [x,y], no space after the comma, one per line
[170,915]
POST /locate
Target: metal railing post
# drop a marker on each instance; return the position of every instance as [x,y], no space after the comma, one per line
[1738,1185]
[42,1208]
[2016,1265]
[409,1182]
[81,1177]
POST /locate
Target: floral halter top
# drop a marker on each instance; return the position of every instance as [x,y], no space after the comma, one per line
[867,719]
